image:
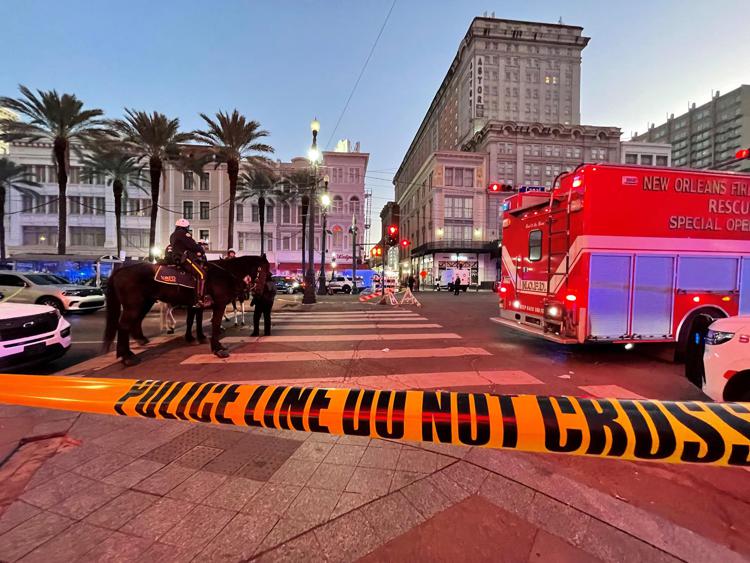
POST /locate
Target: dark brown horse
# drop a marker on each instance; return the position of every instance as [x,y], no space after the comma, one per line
[132,291]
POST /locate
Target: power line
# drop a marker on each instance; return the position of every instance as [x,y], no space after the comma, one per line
[361,72]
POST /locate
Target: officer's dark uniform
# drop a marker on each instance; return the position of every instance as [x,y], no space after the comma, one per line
[190,254]
[264,293]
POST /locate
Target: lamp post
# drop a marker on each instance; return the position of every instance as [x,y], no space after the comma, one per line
[325,201]
[353,231]
[314,156]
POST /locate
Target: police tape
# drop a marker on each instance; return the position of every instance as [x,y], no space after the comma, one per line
[672,432]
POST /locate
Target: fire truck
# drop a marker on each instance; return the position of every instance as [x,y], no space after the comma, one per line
[626,254]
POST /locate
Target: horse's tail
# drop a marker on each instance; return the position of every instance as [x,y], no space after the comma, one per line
[113,315]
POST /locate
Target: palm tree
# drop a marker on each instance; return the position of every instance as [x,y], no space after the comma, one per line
[153,137]
[12,175]
[60,119]
[234,138]
[258,183]
[119,168]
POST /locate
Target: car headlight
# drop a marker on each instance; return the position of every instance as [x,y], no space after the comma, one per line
[715,337]
[71,292]
[295,284]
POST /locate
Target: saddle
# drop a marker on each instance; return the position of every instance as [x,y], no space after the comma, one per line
[173,275]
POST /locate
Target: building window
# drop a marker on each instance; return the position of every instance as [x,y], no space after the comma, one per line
[187,180]
[458,232]
[254,213]
[338,237]
[354,205]
[87,236]
[39,236]
[138,207]
[240,212]
[535,245]
[647,159]
[285,243]
[135,238]
[662,160]
[205,185]
[337,206]
[187,209]
[459,177]
[269,214]
[286,216]
[458,207]
[204,210]
[269,243]
[203,235]
[631,158]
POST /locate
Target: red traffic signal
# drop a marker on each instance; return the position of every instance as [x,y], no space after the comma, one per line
[742,154]
[497,187]
[376,251]
[405,243]
[392,230]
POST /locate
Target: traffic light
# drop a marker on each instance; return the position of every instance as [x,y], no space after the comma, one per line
[392,235]
[376,251]
[405,243]
[497,187]
[742,154]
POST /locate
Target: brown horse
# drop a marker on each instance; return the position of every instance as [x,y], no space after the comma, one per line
[132,291]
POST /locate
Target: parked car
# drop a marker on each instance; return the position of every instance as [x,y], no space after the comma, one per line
[338,284]
[726,359]
[31,334]
[50,290]
[448,277]
[286,284]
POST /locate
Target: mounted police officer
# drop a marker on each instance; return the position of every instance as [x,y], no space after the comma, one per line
[191,256]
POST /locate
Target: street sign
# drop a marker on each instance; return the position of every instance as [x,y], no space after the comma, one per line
[523,189]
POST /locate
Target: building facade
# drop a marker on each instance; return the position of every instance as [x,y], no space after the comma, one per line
[32,223]
[709,135]
[646,154]
[507,111]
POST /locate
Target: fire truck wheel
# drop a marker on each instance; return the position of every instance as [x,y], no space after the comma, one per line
[738,387]
[690,325]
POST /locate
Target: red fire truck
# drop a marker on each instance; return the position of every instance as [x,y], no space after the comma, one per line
[626,254]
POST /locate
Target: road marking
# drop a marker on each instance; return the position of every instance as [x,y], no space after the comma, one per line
[610,392]
[342,337]
[289,320]
[401,381]
[304,326]
[312,355]
[344,313]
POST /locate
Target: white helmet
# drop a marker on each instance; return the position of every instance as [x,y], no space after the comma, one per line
[231,250]
[182,223]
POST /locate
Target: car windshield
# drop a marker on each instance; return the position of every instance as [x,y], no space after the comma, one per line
[46,279]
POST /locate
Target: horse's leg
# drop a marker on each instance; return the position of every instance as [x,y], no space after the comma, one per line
[128,317]
[216,347]
[236,313]
[199,327]
[242,312]
[137,328]
[189,320]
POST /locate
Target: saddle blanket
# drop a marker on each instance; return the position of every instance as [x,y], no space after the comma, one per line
[172,275]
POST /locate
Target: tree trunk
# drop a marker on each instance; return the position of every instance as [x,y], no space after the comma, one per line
[2,223]
[60,151]
[262,217]
[117,190]
[154,170]
[233,171]
[305,207]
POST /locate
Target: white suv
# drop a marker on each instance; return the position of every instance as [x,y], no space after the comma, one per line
[726,360]
[51,290]
[31,334]
[340,283]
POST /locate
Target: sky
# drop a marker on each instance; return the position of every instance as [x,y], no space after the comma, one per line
[284,62]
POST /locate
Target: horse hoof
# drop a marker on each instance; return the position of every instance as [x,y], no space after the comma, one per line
[131,361]
[222,353]
[170,331]
[143,341]
[202,340]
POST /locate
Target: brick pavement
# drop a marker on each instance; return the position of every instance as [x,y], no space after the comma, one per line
[172,491]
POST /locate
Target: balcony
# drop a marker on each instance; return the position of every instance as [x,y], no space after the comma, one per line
[454,246]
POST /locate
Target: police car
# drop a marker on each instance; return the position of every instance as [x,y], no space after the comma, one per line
[726,360]
[31,334]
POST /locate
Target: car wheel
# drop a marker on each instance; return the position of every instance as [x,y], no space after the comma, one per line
[52,302]
[347,289]
[290,291]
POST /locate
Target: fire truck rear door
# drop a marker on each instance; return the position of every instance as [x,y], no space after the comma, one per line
[609,295]
[745,287]
[653,296]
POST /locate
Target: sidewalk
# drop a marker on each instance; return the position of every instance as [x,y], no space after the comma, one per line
[138,489]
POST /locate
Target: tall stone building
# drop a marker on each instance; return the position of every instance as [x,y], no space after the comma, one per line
[508,110]
[709,135]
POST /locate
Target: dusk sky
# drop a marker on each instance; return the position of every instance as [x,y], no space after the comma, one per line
[285,62]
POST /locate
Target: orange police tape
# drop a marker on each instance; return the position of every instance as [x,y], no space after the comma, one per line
[673,432]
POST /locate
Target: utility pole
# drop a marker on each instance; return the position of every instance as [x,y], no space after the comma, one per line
[353,231]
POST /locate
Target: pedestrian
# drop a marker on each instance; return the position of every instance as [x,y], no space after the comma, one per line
[456,285]
[264,293]
[411,283]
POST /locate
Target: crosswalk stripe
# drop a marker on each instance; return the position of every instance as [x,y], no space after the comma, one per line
[610,392]
[401,381]
[348,320]
[342,337]
[305,326]
[313,355]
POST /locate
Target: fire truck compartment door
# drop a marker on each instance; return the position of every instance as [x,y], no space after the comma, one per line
[609,295]
[745,287]
[653,296]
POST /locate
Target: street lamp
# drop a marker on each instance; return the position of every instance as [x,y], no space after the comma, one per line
[325,201]
[314,156]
